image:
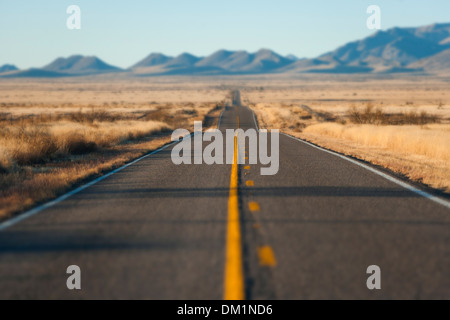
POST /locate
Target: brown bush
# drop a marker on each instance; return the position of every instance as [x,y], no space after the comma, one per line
[414,118]
[161,115]
[3,169]
[90,117]
[191,112]
[78,145]
[371,115]
[34,146]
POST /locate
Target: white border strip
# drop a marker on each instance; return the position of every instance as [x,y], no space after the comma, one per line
[379,173]
[254,119]
[220,119]
[21,217]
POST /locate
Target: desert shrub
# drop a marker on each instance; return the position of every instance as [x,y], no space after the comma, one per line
[5,161]
[414,118]
[3,168]
[93,116]
[191,112]
[34,145]
[77,145]
[159,115]
[371,115]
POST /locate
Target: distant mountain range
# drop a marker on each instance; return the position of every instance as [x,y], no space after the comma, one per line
[220,62]
[80,65]
[423,50]
[8,68]
[394,50]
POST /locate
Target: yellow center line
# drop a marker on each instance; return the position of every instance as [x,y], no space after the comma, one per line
[250,183]
[266,257]
[254,206]
[234,275]
[247,167]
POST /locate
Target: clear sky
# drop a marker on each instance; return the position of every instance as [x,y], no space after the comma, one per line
[33,33]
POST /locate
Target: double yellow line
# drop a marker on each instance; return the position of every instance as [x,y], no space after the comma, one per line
[234,274]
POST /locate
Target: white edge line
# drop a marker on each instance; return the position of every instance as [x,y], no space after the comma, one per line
[381,174]
[254,119]
[220,119]
[23,216]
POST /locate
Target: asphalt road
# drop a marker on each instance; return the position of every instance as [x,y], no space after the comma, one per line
[156,230]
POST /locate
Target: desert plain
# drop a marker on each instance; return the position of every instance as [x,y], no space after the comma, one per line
[56,134]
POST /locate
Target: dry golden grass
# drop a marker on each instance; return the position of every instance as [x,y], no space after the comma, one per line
[282,116]
[26,186]
[119,92]
[413,151]
[27,145]
[47,147]
[431,140]
[401,125]
[31,139]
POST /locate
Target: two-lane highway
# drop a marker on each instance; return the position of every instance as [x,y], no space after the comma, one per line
[156,230]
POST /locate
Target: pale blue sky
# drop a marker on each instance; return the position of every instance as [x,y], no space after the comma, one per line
[33,33]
